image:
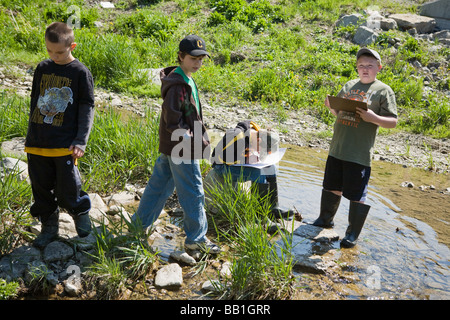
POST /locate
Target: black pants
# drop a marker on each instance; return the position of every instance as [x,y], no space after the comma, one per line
[56,182]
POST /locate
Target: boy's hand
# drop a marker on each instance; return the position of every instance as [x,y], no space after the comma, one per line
[76,152]
[327,104]
[382,121]
[367,115]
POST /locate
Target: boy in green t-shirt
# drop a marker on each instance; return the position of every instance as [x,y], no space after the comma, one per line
[347,170]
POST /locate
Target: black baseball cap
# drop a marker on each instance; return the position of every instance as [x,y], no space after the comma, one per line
[193,45]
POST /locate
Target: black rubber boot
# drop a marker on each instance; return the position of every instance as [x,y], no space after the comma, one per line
[272,189]
[329,204]
[82,224]
[49,231]
[356,218]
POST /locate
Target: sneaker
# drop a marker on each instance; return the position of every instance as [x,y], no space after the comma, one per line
[208,246]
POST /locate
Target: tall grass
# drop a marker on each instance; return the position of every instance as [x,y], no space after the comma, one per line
[260,268]
[14,111]
[121,258]
[15,202]
[120,150]
[290,55]
[15,198]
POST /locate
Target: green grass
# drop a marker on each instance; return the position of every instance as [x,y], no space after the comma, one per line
[120,151]
[121,259]
[283,55]
[260,268]
[291,53]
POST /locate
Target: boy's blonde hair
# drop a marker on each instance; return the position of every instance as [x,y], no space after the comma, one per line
[59,32]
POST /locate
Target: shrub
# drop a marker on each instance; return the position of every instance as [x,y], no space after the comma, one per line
[258,15]
[112,59]
[146,24]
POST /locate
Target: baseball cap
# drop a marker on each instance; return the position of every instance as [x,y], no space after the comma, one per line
[368,51]
[193,45]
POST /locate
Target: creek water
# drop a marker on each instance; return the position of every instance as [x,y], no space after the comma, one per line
[399,254]
[403,250]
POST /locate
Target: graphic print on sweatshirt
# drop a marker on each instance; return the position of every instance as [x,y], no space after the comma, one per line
[55,96]
[352,119]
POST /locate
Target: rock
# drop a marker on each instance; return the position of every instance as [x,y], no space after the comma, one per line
[72,289]
[169,276]
[13,265]
[407,184]
[313,264]
[317,234]
[97,202]
[365,36]
[106,4]
[98,217]
[388,24]
[15,166]
[153,75]
[211,286]
[116,102]
[309,244]
[406,21]
[14,147]
[56,251]
[225,271]
[37,270]
[442,36]
[436,9]
[351,19]
[123,198]
[183,257]
[66,225]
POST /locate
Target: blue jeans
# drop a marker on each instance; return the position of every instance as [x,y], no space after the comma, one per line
[187,179]
[240,173]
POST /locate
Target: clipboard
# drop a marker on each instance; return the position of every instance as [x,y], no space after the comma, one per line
[346,104]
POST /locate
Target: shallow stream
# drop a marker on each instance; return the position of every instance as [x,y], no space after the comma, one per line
[403,251]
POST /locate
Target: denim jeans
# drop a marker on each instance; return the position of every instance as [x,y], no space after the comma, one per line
[246,173]
[187,179]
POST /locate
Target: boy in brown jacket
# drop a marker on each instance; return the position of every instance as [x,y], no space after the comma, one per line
[182,142]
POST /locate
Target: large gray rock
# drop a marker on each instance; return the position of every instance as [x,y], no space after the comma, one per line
[316,233]
[56,251]
[365,36]
[14,147]
[440,11]
[13,265]
[309,245]
[169,276]
[354,19]
[436,9]
[14,166]
[406,21]
[388,24]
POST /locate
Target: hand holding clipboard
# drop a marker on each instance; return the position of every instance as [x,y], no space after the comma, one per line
[346,104]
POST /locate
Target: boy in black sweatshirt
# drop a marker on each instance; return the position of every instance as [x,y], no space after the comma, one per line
[61,116]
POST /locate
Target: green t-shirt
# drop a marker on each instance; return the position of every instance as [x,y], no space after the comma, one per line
[353,138]
[190,82]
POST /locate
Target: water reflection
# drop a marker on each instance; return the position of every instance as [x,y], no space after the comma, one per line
[397,257]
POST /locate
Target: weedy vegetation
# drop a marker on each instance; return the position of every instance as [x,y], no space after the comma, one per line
[285,55]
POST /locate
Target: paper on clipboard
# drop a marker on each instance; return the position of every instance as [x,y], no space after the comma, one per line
[271,159]
[346,104]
